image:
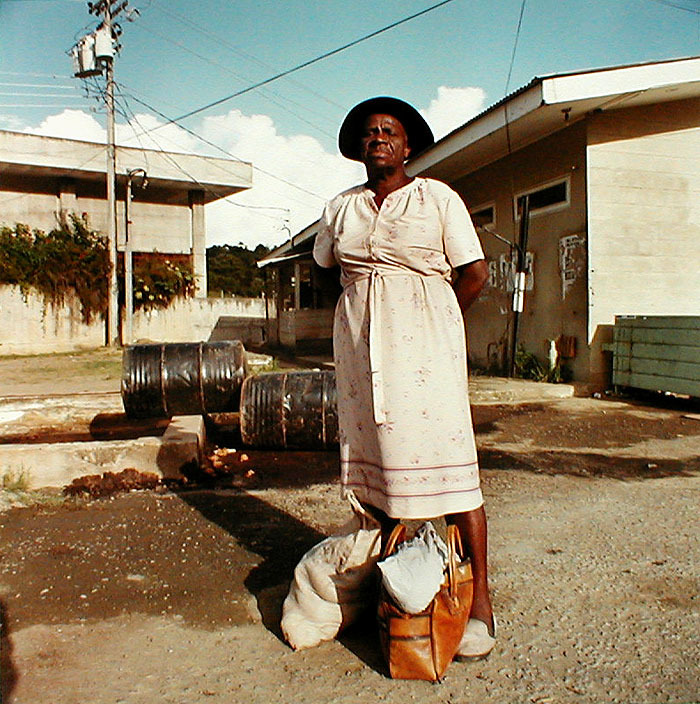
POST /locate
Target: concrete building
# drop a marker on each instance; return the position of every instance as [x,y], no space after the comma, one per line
[44,177]
[611,161]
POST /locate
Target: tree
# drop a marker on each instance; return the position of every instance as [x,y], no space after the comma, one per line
[232,269]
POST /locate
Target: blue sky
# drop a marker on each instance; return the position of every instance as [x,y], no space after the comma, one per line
[178,56]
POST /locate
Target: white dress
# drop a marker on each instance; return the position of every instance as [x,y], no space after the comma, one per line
[406,436]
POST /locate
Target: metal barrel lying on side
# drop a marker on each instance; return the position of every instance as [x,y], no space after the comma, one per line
[294,410]
[182,378]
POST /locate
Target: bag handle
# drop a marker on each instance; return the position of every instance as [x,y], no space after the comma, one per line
[367,520]
[397,535]
[454,551]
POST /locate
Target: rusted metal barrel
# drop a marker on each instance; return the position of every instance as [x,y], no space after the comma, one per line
[187,378]
[292,410]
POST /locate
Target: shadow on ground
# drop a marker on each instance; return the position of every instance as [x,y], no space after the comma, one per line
[584,464]
[197,557]
[276,537]
[8,672]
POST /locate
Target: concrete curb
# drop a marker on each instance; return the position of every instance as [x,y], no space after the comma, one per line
[496,390]
[57,464]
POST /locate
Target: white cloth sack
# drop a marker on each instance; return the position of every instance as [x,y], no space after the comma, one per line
[412,576]
[331,584]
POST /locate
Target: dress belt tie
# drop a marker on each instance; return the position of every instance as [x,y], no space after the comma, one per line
[375,352]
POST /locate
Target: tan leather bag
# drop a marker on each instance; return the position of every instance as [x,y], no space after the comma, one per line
[421,646]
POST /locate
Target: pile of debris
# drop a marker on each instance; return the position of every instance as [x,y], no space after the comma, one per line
[96,485]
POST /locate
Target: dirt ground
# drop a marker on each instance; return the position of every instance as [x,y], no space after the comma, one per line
[175,595]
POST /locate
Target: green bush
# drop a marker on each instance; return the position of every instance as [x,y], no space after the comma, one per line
[70,260]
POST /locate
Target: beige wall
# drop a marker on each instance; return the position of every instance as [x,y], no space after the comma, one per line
[157,227]
[551,308]
[305,326]
[34,202]
[29,327]
[165,227]
[644,214]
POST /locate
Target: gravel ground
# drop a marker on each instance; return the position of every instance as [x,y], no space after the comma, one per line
[169,596]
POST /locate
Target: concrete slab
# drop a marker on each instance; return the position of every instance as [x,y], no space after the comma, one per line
[25,414]
[59,441]
[489,390]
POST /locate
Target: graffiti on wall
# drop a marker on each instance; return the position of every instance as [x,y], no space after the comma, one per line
[502,272]
[572,261]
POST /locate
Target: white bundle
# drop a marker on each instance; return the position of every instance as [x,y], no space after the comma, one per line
[412,576]
[332,584]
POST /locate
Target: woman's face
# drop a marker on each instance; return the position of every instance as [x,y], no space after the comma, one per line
[383,142]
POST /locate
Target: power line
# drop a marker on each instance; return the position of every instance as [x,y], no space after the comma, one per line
[678,7]
[237,50]
[306,64]
[216,146]
[38,105]
[233,73]
[36,75]
[36,85]
[225,199]
[230,202]
[228,154]
[515,46]
[41,95]
[168,155]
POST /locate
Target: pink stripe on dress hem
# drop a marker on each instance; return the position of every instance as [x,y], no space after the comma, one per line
[409,469]
[354,485]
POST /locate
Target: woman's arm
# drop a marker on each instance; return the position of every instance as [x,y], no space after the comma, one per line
[470,280]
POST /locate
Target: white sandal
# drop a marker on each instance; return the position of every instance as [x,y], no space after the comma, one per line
[476,642]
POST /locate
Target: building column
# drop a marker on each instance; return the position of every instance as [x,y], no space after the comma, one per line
[199,245]
[67,198]
[297,286]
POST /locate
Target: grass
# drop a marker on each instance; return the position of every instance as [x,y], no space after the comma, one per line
[15,481]
[15,492]
[271,366]
[105,363]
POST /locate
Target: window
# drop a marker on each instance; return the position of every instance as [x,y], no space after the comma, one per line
[546,198]
[485,215]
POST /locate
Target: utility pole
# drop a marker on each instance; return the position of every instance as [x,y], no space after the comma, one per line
[93,55]
[113,338]
[128,335]
[519,283]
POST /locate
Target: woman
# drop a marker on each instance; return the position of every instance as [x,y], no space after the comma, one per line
[406,439]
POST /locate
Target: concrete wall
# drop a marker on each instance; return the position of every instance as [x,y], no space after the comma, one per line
[555,300]
[306,329]
[193,319]
[162,227]
[27,326]
[644,215]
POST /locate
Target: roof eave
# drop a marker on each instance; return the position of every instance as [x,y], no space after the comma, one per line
[544,106]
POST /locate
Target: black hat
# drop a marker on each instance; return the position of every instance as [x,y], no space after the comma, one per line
[419,134]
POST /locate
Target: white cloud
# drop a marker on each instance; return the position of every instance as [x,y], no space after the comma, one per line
[11,122]
[293,175]
[452,108]
[71,124]
[141,132]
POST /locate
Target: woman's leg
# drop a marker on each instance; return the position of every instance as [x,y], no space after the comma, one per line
[386,522]
[473,531]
